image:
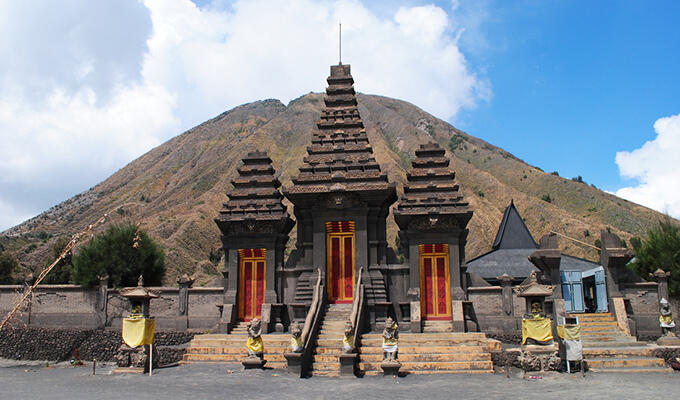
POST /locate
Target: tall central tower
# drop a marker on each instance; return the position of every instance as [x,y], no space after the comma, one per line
[341,197]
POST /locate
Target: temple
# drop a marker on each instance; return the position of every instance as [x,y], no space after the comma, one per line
[341,276]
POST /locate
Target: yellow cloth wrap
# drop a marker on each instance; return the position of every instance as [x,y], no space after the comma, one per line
[138,331]
[666,319]
[537,329]
[295,342]
[569,332]
[390,342]
[256,345]
[348,341]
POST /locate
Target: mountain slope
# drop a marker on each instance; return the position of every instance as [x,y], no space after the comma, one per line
[176,189]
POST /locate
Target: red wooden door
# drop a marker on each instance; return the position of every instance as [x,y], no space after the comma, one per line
[340,261]
[435,295]
[251,283]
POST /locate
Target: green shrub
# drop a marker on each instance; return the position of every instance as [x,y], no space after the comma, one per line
[8,265]
[661,249]
[123,253]
[61,273]
[547,198]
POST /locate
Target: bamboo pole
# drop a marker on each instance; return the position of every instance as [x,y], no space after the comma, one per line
[69,246]
[576,240]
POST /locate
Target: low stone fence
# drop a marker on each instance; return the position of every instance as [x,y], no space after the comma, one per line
[73,306]
[59,344]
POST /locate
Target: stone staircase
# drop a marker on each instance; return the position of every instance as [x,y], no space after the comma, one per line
[231,348]
[437,326]
[329,340]
[606,348]
[432,353]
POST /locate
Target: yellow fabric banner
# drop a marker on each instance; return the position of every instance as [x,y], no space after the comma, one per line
[537,329]
[569,332]
[255,345]
[138,331]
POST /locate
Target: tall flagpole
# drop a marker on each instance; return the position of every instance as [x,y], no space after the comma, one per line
[340,43]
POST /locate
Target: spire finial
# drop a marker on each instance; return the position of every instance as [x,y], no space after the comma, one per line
[339,42]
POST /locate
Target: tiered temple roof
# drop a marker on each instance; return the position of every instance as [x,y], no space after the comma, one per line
[256,194]
[340,157]
[431,189]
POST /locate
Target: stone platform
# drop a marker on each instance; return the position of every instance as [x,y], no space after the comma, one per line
[432,353]
[231,349]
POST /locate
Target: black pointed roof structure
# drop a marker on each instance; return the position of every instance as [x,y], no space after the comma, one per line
[513,232]
[511,250]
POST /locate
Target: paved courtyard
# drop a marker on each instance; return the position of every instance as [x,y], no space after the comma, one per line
[35,381]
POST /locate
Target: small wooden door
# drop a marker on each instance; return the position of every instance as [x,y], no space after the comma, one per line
[340,261]
[435,293]
[252,268]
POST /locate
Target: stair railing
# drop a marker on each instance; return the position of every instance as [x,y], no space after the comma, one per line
[356,317]
[312,323]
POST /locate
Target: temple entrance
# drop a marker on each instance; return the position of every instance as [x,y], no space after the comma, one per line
[584,291]
[252,263]
[435,293]
[340,261]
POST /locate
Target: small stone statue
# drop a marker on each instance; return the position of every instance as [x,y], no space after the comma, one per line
[536,310]
[255,344]
[296,344]
[348,339]
[390,340]
[666,317]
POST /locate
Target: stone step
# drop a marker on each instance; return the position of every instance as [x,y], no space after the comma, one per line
[430,366]
[326,373]
[236,343]
[433,336]
[326,366]
[437,349]
[234,350]
[415,357]
[196,358]
[424,343]
[631,370]
[624,352]
[634,362]
[327,357]
[433,372]
[232,357]
[601,333]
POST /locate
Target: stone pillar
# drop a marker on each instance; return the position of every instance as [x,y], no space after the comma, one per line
[184,283]
[270,275]
[506,293]
[102,301]
[457,292]
[547,259]
[661,277]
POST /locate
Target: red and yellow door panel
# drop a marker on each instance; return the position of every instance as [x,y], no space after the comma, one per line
[340,261]
[435,293]
[252,281]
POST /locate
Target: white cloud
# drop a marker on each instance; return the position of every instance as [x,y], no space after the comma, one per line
[655,167]
[89,86]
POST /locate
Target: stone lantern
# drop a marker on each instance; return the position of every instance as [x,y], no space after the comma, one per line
[534,294]
[133,354]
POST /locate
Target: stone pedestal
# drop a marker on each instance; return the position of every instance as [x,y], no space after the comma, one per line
[294,361]
[136,359]
[390,368]
[669,339]
[348,364]
[253,363]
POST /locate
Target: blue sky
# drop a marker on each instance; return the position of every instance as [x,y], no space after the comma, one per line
[582,88]
[574,82]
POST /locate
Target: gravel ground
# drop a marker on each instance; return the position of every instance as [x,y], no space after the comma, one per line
[24,380]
